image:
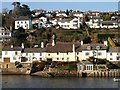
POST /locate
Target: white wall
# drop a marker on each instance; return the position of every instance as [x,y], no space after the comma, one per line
[34,56]
[112,56]
[102,56]
[26,24]
[61,56]
[11,55]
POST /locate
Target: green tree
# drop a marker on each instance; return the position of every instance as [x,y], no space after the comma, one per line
[67,12]
[20,35]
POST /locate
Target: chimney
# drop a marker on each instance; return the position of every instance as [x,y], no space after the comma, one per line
[53,42]
[11,46]
[105,43]
[73,47]
[42,45]
[10,28]
[81,42]
[22,45]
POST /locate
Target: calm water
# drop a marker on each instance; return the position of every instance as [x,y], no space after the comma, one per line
[14,81]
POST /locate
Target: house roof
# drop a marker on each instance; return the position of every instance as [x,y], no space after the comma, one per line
[63,47]
[11,49]
[65,20]
[93,46]
[84,62]
[114,49]
[31,50]
[23,18]
[108,22]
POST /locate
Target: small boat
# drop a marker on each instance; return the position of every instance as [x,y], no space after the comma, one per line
[116,79]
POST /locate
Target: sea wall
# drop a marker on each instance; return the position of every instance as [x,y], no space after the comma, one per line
[15,71]
[111,73]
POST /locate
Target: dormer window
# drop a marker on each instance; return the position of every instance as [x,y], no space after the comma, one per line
[98,47]
[67,53]
[15,53]
[88,47]
[87,53]
[110,53]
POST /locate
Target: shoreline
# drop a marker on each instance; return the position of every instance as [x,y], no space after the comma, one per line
[62,73]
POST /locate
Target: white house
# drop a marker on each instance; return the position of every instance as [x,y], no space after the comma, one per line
[11,54]
[24,22]
[78,14]
[59,14]
[35,20]
[61,52]
[34,54]
[43,19]
[113,54]
[93,50]
[85,66]
[94,22]
[109,24]
[5,34]
[70,23]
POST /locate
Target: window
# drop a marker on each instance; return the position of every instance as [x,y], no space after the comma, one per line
[87,54]
[26,54]
[6,52]
[57,58]
[80,68]
[67,53]
[33,54]
[77,53]
[15,53]
[5,33]
[40,54]
[48,54]
[17,22]
[14,58]
[68,58]
[77,58]
[110,53]
[25,22]
[17,26]
[57,53]
[99,53]
[21,22]
[40,58]
[62,58]
[118,58]
[111,58]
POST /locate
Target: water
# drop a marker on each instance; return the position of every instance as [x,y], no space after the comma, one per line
[22,81]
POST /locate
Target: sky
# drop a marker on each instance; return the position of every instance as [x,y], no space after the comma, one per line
[82,6]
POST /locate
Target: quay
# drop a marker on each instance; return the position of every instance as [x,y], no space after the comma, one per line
[111,73]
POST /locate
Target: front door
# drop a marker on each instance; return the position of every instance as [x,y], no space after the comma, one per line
[6,59]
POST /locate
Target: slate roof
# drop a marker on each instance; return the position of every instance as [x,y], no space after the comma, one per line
[23,18]
[63,47]
[84,62]
[11,49]
[65,20]
[32,50]
[108,22]
[115,49]
[93,46]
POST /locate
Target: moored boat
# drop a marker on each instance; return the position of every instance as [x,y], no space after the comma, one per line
[116,79]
